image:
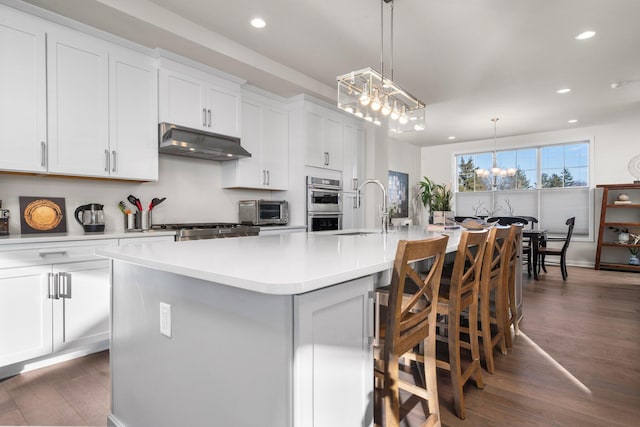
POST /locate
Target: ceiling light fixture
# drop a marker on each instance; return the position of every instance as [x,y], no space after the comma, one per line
[572,121]
[258,23]
[374,92]
[563,90]
[495,171]
[585,35]
[452,137]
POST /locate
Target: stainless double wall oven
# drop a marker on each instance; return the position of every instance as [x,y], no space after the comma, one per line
[324,204]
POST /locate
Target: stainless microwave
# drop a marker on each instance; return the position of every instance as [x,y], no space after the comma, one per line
[263,212]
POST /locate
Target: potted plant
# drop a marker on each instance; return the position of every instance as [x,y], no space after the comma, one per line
[437,198]
[623,234]
[633,259]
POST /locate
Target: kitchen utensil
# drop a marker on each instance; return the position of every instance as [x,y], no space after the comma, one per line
[155,202]
[135,202]
[91,217]
[122,207]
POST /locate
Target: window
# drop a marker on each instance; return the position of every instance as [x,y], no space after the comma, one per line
[550,183]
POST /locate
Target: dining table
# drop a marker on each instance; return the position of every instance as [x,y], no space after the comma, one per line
[537,238]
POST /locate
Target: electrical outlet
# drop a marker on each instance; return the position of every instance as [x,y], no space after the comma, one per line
[165,319]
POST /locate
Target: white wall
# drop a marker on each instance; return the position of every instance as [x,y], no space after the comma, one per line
[615,143]
[405,158]
[192,188]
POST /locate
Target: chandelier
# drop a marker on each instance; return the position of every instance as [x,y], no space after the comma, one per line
[495,172]
[374,97]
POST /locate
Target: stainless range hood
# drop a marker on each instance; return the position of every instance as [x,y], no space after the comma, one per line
[187,142]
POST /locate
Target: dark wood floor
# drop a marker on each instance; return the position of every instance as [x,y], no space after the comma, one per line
[576,363]
[73,393]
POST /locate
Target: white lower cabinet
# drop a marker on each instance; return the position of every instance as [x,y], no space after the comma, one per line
[26,322]
[49,308]
[81,314]
[333,360]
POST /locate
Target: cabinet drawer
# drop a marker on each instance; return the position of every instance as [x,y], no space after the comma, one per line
[28,254]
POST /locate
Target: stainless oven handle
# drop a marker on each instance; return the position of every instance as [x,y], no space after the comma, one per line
[325,214]
[325,189]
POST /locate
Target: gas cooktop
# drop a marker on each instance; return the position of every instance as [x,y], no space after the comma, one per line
[208,230]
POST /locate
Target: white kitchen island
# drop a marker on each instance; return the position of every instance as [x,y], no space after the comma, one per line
[267,330]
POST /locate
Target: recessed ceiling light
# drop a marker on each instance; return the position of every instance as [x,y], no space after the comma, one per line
[585,35]
[452,137]
[258,23]
[564,90]
[572,121]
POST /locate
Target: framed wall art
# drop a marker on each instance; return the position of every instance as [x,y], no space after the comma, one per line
[42,215]
[398,197]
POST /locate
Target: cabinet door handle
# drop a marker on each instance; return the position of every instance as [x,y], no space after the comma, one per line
[326,158]
[268,178]
[106,160]
[264,177]
[45,253]
[209,115]
[204,117]
[113,157]
[43,153]
[64,283]
[52,282]
[355,184]
[355,203]
[374,306]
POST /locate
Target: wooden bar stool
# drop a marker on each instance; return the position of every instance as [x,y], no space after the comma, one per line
[510,315]
[457,294]
[410,322]
[493,280]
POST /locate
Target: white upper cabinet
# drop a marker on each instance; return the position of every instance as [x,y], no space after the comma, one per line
[74,104]
[22,92]
[265,134]
[195,99]
[78,70]
[324,137]
[133,116]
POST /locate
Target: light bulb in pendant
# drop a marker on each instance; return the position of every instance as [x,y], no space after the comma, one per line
[386,108]
[403,119]
[365,99]
[375,103]
[495,171]
[395,114]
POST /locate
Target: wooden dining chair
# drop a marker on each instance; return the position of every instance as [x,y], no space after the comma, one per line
[459,293]
[410,311]
[545,251]
[492,304]
[510,314]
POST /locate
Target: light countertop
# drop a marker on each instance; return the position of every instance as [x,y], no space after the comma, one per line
[72,236]
[286,264]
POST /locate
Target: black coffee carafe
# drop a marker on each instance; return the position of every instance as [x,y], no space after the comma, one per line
[91,217]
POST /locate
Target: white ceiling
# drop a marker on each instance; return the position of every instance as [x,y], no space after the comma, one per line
[468,60]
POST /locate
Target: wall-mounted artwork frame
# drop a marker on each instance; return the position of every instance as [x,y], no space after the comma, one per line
[398,194]
[42,215]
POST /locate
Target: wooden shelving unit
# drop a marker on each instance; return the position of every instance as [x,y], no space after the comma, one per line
[619,216]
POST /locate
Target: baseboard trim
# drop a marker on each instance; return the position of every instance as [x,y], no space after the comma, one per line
[52,359]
